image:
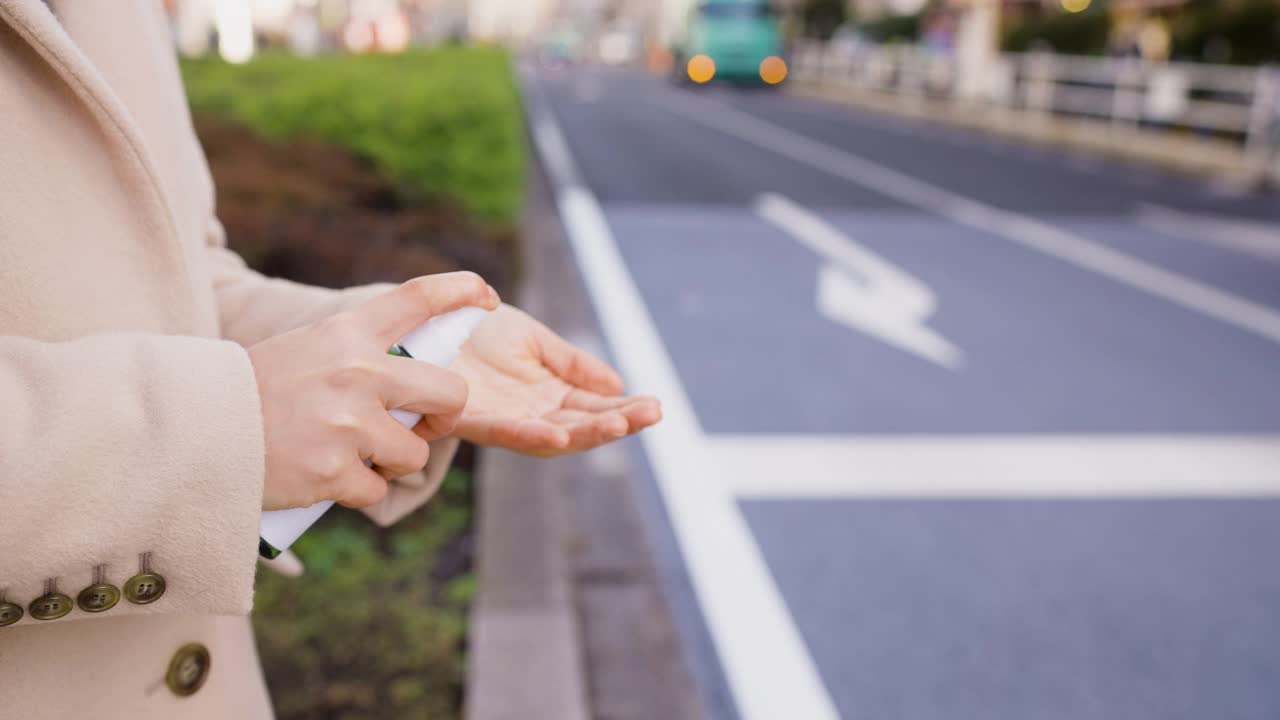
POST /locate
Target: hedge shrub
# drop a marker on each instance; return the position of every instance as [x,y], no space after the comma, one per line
[443,122]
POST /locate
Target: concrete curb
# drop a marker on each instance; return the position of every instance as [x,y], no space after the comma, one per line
[524,660]
[1186,154]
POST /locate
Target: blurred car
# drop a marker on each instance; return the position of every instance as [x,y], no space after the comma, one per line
[738,41]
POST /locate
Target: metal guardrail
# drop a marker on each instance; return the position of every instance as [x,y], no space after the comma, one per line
[1238,104]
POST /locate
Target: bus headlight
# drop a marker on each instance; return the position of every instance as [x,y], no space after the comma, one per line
[701,68]
[773,70]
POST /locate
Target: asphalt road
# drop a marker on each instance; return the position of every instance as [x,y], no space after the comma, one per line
[957,427]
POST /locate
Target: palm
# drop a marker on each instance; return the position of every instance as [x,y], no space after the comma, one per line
[533,392]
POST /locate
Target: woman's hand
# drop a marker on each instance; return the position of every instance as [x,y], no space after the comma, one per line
[533,392]
[326,389]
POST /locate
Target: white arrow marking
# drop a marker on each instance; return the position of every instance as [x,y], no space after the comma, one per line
[862,290]
[1023,229]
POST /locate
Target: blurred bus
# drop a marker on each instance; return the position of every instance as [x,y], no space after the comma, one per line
[737,41]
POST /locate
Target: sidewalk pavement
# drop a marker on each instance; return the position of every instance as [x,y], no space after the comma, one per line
[571,622]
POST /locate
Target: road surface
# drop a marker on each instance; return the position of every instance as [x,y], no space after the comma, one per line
[956,427]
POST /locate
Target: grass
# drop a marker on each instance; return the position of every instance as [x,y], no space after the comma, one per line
[443,123]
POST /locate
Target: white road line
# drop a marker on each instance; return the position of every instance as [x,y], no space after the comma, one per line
[765,661]
[1022,229]
[999,466]
[1255,239]
[554,152]
[861,289]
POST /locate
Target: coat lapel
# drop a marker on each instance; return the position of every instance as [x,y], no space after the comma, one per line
[34,21]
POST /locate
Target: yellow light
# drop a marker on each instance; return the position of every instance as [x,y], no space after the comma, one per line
[773,70]
[701,68]
[1075,6]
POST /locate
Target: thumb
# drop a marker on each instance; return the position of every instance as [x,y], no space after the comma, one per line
[394,313]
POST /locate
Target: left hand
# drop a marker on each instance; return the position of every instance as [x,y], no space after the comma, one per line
[533,392]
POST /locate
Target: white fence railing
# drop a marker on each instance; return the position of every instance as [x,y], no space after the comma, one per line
[1237,104]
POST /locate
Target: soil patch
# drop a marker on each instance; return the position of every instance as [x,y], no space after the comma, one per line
[312,212]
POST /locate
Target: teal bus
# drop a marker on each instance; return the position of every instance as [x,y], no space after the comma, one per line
[737,41]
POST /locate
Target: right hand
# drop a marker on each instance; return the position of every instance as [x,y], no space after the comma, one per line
[326,389]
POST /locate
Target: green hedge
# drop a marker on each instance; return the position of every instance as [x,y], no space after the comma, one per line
[1245,32]
[445,123]
[1082,33]
[893,29]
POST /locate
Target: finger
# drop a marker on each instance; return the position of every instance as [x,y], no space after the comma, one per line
[577,367]
[394,313]
[528,435]
[640,412]
[594,402]
[420,387]
[360,487]
[588,430]
[394,450]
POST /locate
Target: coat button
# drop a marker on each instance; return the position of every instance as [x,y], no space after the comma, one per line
[188,669]
[99,597]
[51,606]
[10,613]
[144,588]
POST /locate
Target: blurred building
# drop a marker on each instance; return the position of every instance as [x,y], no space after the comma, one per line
[871,9]
[514,21]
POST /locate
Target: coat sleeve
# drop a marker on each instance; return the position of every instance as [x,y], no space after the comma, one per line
[253,307]
[128,452]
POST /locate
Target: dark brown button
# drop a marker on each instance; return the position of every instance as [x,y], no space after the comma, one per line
[144,588]
[10,613]
[51,606]
[98,597]
[188,669]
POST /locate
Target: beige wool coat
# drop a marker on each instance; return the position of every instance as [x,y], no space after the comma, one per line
[130,425]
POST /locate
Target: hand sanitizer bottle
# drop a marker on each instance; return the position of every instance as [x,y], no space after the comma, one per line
[437,341]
